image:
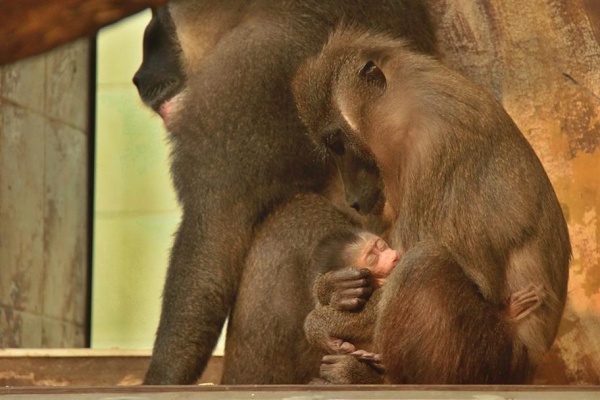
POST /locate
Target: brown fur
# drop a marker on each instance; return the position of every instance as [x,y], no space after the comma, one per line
[274,294]
[325,326]
[469,204]
[335,331]
[239,152]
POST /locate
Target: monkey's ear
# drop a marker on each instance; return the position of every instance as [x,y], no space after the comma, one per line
[372,74]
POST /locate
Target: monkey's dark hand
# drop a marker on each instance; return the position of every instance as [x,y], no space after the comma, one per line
[346,289]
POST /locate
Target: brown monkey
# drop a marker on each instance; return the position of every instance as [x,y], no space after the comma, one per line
[469,203]
[219,73]
[279,267]
[342,332]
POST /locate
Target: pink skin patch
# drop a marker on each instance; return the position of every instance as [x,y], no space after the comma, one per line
[165,110]
[168,109]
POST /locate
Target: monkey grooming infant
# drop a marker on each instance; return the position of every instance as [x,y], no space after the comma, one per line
[469,204]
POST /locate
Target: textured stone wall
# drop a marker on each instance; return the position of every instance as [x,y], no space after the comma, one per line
[44,199]
[541,58]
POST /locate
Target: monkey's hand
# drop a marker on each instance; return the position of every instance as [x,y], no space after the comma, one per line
[373,359]
[346,289]
[339,346]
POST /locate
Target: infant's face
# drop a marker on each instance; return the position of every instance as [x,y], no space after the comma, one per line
[378,257]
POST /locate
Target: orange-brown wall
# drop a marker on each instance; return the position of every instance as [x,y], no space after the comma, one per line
[541,58]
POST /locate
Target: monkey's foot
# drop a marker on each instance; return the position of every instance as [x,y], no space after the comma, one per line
[370,358]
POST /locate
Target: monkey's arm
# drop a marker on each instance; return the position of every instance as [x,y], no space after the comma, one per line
[340,332]
[345,289]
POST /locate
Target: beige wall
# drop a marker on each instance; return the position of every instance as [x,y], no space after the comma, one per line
[136,212]
[44,199]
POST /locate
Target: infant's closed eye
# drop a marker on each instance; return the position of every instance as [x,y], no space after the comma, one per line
[371,259]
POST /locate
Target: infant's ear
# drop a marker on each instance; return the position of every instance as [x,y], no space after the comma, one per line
[372,74]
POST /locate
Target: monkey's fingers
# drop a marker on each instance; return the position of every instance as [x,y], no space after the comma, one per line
[350,274]
[339,346]
[366,355]
[523,302]
[373,359]
[347,304]
[362,292]
[347,347]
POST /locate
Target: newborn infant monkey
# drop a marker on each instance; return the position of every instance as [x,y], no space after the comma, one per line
[341,332]
[351,333]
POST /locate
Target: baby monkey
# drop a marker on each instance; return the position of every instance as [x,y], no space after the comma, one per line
[350,333]
[341,332]
[347,336]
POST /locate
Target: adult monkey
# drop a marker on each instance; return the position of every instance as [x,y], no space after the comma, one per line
[219,74]
[472,210]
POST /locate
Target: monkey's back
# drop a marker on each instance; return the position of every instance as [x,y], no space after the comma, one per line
[485,195]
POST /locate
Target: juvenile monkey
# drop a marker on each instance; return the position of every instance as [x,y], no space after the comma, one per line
[470,206]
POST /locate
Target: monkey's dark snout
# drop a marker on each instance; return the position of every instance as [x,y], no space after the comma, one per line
[137,81]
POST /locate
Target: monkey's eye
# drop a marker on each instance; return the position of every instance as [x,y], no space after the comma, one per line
[335,144]
[371,259]
[380,244]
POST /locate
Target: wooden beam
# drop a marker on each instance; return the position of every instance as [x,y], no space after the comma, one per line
[83,367]
[29,27]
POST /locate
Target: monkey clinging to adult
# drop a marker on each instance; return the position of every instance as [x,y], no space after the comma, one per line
[335,331]
[350,333]
[219,74]
[471,207]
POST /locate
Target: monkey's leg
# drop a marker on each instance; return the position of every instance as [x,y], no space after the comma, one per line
[523,302]
[266,342]
[199,290]
[436,328]
[321,326]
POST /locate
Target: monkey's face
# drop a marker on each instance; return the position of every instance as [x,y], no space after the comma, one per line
[328,100]
[378,257]
[360,174]
[160,77]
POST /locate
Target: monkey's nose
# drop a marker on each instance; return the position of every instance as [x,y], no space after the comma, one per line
[396,257]
[136,81]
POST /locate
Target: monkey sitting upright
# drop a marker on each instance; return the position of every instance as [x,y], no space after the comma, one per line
[470,207]
[342,332]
